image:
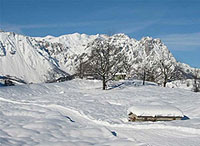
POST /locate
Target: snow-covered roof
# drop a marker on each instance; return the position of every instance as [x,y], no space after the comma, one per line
[117,74]
[155,110]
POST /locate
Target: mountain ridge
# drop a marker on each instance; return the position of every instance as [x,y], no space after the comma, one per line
[39,59]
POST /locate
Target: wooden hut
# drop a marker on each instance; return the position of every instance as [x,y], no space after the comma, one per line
[154,113]
[120,76]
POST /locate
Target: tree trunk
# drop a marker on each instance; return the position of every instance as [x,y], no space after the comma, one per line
[144,77]
[104,83]
[164,84]
[81,69]
[165,81]
[195,86]
[80,73]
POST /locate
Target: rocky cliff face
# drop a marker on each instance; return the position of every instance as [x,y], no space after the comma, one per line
[39,59]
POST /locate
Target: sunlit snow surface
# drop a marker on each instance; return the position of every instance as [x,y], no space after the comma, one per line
[79,113]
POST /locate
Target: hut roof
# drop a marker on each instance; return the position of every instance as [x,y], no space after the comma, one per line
[118,74]
[156,110]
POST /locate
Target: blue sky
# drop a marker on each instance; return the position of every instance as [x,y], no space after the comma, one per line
[176,22]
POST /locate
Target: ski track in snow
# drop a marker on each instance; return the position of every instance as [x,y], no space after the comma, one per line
[69,113]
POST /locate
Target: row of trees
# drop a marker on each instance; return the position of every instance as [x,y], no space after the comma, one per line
[106,59]
[160,71]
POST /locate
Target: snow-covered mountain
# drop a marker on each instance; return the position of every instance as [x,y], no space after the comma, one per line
[25,58]
[39,59]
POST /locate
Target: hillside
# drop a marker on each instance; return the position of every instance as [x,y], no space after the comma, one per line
[40,59]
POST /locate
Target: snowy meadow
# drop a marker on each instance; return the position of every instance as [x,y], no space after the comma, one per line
[80,113]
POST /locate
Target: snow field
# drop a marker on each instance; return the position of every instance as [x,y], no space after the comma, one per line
[78,112]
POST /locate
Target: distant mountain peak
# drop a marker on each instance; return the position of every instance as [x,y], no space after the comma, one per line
[38,59]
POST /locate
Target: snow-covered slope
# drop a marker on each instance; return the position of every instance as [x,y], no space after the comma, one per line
[23,57]
[38,59]
[80,113]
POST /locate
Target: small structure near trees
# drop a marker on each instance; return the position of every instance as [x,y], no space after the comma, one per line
[120,76]
[154,113]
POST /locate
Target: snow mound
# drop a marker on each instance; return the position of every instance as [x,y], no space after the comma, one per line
[155,110]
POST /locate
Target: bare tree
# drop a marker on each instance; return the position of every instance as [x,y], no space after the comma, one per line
[106,60]
[80,68]
[147,70]
[196,84]
[166,67]
[142,71]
